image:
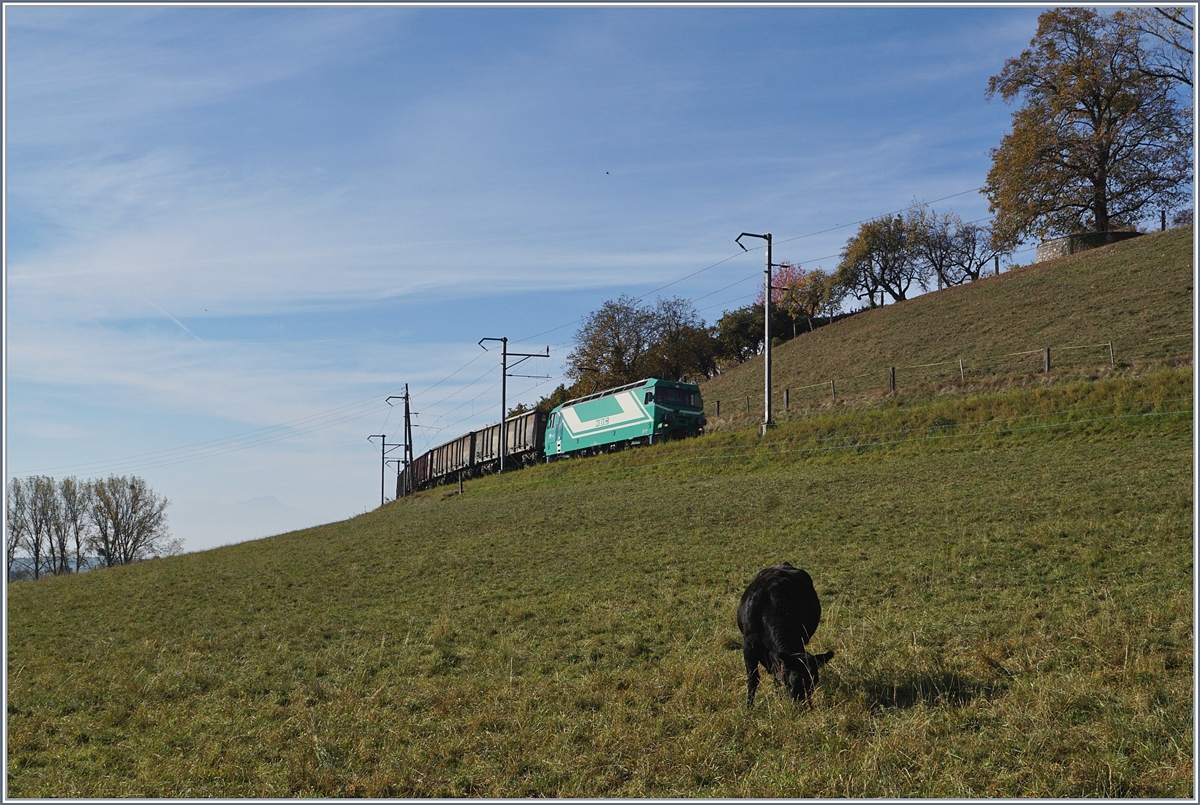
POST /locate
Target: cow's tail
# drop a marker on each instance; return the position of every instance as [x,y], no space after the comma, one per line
[797,662]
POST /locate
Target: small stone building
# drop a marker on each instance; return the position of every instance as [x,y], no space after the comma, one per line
[1049,249]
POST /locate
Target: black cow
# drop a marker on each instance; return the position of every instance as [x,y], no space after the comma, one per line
[777,616]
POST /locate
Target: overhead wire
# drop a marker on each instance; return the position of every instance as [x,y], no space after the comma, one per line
[704,296]
[726,287]
[251,438]
[360,408]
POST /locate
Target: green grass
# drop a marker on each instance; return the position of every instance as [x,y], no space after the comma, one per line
[1137,294]
[1007,582]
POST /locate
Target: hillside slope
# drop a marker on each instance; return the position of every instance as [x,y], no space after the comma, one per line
[1006,580]
[1005,573]
[1137,294]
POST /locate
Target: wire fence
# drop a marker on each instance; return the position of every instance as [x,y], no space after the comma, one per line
[891,379]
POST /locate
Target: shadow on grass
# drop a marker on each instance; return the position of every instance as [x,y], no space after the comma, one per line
[940,689]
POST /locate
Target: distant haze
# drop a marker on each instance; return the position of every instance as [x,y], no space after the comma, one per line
[207,524]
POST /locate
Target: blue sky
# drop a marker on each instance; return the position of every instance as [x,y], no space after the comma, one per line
[231,232]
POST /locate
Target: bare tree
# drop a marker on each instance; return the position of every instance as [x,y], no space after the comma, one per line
[933,242]
[17,522]
[974,250]
[60,537]
[129,520]
[76,500]
[953,251]
[42,493]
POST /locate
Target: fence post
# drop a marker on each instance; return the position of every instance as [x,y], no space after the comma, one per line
[786,395]
[833,389]
[718,413]
[997,265]
[1112,356]
[892,379]
[747,403]
[1046,360]
[961,374]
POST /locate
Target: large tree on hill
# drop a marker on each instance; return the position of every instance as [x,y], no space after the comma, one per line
[1098,142]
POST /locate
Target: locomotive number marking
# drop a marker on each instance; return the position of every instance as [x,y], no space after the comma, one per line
[631,411]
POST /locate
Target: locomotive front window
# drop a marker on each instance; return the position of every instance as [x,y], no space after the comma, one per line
[684,397]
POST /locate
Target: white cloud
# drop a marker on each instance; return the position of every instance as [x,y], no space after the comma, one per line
[255,383]
[74,72]
[263,178]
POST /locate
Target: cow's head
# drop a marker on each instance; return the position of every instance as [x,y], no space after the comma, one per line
[800,673]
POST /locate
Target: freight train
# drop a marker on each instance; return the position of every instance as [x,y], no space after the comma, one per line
[638,413]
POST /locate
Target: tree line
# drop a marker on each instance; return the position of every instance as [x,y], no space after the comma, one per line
[627,340]
[66,526]
[1102,140]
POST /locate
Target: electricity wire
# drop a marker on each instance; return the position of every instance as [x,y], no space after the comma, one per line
[360,408]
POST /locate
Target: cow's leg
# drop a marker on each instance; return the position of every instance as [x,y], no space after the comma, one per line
[751,676]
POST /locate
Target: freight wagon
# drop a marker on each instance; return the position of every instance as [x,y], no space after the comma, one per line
[478,453]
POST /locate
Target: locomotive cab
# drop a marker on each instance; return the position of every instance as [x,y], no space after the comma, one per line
[677,407]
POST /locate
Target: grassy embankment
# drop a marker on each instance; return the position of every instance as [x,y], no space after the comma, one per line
[1137,294]
[1007,582]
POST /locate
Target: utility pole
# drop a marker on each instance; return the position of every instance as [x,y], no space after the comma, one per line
[383,450]
[767,288]
[504,375]
[408,446]
[398,462]
[408,450]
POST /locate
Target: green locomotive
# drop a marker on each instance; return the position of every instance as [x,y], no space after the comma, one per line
[638,413]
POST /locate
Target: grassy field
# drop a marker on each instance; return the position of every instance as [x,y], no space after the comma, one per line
[1137,294]
[1007,581]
